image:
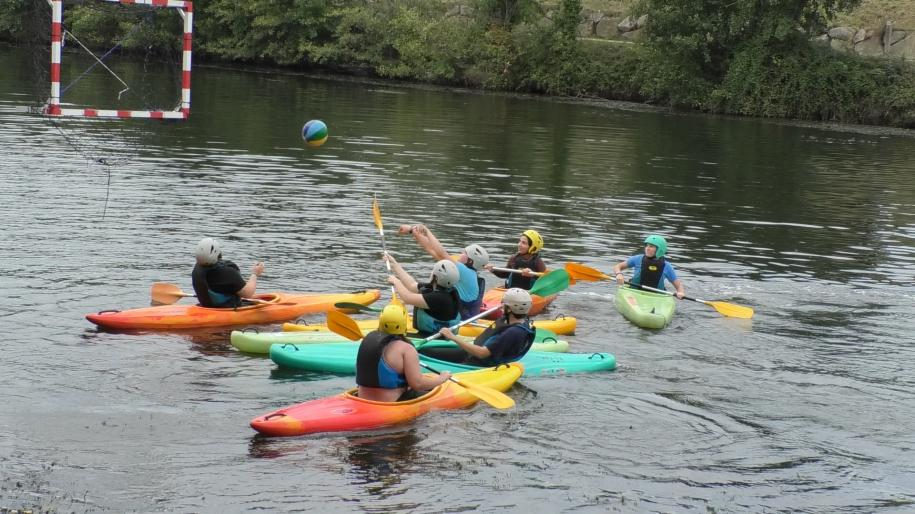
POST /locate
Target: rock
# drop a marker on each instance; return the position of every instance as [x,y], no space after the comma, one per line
[627,25]
[585,29]
[842,33]
[634,35]
[904,49]
[821,40]
[860,36]
[872,47]
[839,45]
[641,22]
[896,36]
[604,28]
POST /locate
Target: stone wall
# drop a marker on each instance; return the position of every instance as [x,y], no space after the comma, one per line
[887,41]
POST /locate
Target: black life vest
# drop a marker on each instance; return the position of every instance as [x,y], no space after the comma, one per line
[498,328]
[206,296]
[371,370]
[651,272]
[519,280]
[427,324]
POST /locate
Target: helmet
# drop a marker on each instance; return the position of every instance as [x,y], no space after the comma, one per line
[518,301]
[659,242]
[207,252]
[478,255]
[535,240]
[445,273]
[393,320]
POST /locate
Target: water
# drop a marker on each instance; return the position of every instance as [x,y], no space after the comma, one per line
[805,408]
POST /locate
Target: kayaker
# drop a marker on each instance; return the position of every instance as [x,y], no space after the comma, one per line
[387,366]
[506,340]
[528,260]
[651,268]
[436,303]
[219,283]
[472,259]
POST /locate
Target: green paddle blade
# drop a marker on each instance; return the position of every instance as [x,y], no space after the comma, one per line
[551,283]
[355,307]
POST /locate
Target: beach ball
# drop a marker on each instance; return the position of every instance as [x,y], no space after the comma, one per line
[314,133]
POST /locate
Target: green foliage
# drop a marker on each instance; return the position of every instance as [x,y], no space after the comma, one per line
[507,12]
[13,19]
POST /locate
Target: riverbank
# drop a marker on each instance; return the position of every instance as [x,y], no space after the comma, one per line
[537,50]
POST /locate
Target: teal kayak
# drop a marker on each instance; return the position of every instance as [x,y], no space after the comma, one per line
[254,342]
[643,308]
[341,358]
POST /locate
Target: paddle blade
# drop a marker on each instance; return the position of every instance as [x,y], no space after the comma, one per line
[344,325]
[376,213]
[355,307]
[551,283]
[163,293]
[585,273]
[495,398]
[732,310]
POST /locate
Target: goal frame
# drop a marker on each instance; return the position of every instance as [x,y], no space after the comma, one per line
[181,112]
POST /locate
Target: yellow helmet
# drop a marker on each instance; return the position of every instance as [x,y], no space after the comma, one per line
[535,240]
[393,320]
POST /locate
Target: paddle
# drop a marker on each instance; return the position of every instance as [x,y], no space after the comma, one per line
[348,328]
[163,293]
[358,307]
[586,273]
[535,273]
[376,213]
[551,283]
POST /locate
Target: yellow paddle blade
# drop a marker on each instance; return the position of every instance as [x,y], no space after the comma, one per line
[585,273]
[732,310]
[376,213]
[344,325]
[495,398]
[163,293]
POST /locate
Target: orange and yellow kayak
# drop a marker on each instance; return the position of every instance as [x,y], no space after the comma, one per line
[347,413]
[493,297]
[273,308]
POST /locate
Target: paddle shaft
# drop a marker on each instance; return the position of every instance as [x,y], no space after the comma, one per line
[510,270]
[662,291]
[462,323]
[376,213]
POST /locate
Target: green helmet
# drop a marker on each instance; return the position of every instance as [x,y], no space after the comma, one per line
[659,242]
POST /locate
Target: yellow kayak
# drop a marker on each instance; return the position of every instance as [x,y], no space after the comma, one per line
[562,325]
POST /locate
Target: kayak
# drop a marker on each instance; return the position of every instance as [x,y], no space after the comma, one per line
[253,342]
[274,307]
[493,298]
[562,325]
[341,358]
[643,308]
[347,412]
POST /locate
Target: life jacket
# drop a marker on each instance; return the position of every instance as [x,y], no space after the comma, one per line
[371,369]
[425,323]
[472,308]
[651,273]
[500,327]
[519,280]
[206,296]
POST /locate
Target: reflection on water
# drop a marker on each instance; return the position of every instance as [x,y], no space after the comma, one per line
[804,407]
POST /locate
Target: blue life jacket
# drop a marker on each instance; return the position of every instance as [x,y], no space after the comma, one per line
[472,308]
[371,369]
[498,329]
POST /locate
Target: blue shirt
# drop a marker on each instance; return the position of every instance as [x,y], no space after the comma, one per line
[467,287]
[635,262]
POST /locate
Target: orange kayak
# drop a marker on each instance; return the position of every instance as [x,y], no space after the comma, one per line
[274,307]
[346,412]
[493,297]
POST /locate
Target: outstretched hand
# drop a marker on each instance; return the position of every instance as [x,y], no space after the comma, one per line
[258,269]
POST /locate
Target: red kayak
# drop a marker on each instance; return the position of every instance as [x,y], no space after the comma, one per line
[273,308]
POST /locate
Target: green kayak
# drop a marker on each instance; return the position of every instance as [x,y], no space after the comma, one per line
[645,309]
[341,358]
[254,342]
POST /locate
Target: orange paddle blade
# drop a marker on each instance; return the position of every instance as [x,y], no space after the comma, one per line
[731,309]
[344,325]
[163,293]
[585,273]
[376,213]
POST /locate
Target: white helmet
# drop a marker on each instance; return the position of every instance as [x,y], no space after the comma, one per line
[478,255]
[445,273]
[207,252]
[518,301]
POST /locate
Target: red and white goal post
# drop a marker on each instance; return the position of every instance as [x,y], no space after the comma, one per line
[182,111]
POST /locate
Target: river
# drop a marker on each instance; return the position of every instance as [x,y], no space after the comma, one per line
[805,408]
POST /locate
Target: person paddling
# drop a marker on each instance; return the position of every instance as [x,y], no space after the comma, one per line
[651,268]
[528,260]
[506,340]
[436,303]
[387,365]
[472,259]
[219,283]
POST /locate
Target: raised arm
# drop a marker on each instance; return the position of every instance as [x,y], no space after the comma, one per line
[426,240]
[251,284]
